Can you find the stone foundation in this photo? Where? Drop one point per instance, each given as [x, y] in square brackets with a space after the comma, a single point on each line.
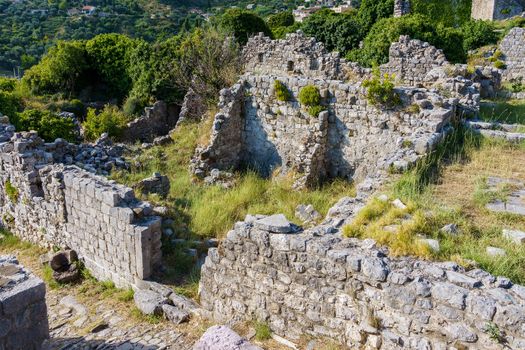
[354, 292]
[23, 311]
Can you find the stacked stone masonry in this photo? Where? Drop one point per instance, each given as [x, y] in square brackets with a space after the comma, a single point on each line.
[352, 291]
[513, 49]
[496, 9]
[23, 311]
[351, 139]
[52, 204]
[401, 8]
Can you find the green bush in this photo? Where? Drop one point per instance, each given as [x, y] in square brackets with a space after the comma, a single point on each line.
[262, 331]
[243, 24]
[281, 19]
[500, 64]
[477, 33]
[7, 84]
[111, 120]
[59, 70]
[281, 91]
[381, 90]
[310, 96]
[48, 125]
[10, 104]
[11, 191]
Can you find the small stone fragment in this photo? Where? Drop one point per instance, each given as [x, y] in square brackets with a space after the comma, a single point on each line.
[496, 252]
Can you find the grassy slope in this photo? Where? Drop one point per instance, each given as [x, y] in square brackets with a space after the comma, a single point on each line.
[445, 189]
[512, 111]
[211, 211]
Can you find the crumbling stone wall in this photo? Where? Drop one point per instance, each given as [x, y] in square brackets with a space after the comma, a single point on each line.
[351, 139]
[496, 9]
[157, 120]
[23, 311]
[411, 60]
[51, 204]
[513, 49]
[401, 8]
[354, 292]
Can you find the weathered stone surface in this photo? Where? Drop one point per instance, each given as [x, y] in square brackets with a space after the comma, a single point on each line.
[307, 213]
[159, 184]
[496, 252]
[328, 286]
[23, 312]
[275, 223]
[336, 143]
[157, 120]
[515, 236]
[149, 302]
[513, 50]
[114, 234]
[223, 338]
[174, 314]
[496, 9]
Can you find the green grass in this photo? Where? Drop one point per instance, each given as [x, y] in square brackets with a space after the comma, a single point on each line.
[262, 331]
[211, 211]
[478, 227]
[511, 112]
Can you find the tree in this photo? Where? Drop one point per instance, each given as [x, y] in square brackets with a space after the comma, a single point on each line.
[371, 11]
[340, 32]
[376, 44]
[281, 19]
[109, 56]
[243, 24]
[48, 125]
[59, 69]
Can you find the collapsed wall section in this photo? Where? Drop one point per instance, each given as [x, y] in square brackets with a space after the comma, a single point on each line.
[352, 291]
[51, 204]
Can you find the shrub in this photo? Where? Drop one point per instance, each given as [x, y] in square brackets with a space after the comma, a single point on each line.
[500, 65]
[11, 191]
[381, 90]
[243, 24]
[310, 96]
[111, 120]
[281, 19]
[262, 331]
[10, 104]
[7, 84]
[517, 85]
[281, 91]
[48, 125]
[315, 110]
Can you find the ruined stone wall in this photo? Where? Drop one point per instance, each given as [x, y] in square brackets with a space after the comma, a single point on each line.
[295, 55]
[411, 60]
[354, 292]
[401, 8]
[23, 311]
[157, 120]
[51, 204]
[496, 9]
[513, 49]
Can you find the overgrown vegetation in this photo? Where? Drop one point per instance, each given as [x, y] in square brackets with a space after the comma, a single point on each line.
[111, 120]
[511, 111]
[459, 197]
[281, 91]
[192, 205]
[49, 125]
[262, 331]
[310, 97]
[11, 192]
[381, 90]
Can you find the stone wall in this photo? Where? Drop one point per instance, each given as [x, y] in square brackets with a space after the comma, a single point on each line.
[496, 9]
[351, 139]
[513, 49]
[354, 292]
[52, 204]
[401, 8]
[23, 311]
[157, 120]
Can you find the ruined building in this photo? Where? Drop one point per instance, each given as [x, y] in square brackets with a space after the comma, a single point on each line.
[351, 138]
